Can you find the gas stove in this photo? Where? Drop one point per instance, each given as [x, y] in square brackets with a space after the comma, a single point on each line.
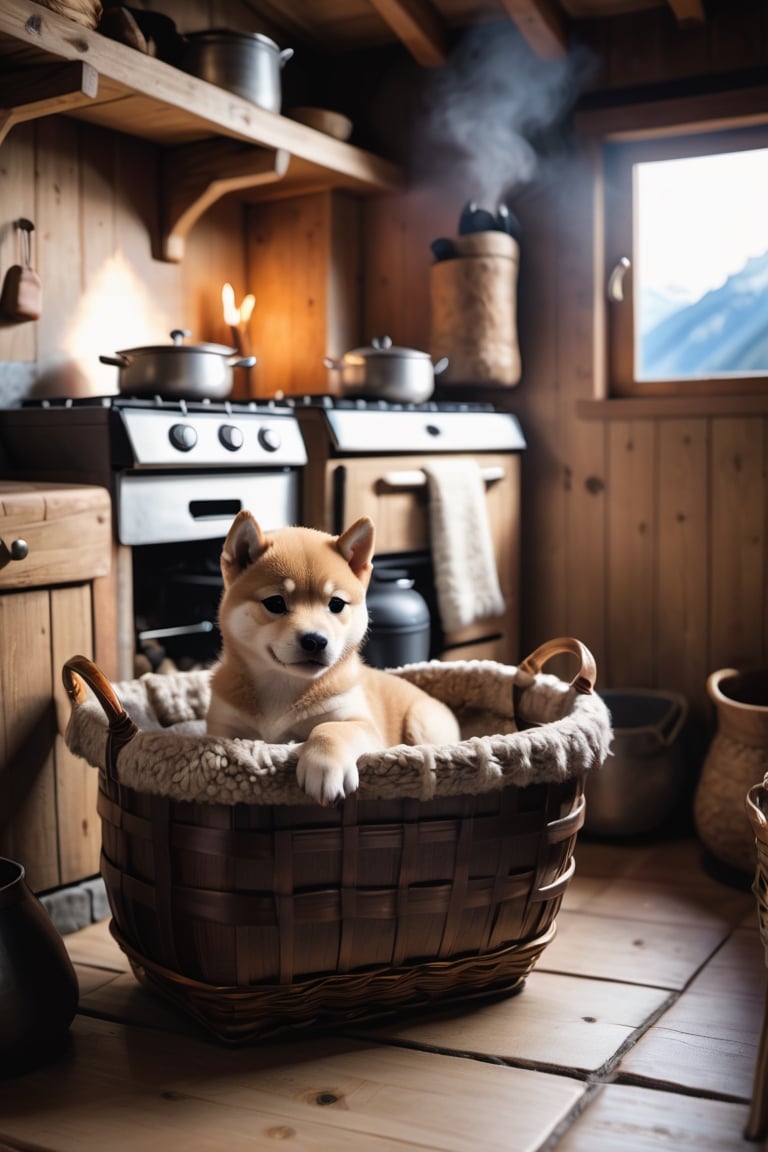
[117, 432]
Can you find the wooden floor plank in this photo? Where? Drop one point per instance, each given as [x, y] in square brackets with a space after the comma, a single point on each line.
[707, 1040]
[556, 1022]
[643, 1120]
[127, 1088]
[636, 952]
[95, 946]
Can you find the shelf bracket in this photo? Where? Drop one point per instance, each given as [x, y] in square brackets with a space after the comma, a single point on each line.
[41, 91]
[195, 176]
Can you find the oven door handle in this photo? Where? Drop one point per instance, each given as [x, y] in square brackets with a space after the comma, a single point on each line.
[416, 478]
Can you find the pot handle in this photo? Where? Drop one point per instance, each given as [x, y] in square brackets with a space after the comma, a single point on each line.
[285, 56]
[117, 361]
[329, 362]
[242, 362]
[441, 365]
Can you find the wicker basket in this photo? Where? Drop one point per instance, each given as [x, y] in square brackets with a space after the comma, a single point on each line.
[259, 911]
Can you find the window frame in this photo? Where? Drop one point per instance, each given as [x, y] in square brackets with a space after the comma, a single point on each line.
[618, 160]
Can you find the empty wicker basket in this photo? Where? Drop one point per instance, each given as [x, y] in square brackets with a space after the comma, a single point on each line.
[259, 911]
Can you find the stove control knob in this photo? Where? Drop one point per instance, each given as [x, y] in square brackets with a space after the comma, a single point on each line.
[231, 437]
[434, 430]
[183, 437]
[269, 439]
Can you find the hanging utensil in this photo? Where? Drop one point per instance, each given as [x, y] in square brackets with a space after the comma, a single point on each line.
[22, 295]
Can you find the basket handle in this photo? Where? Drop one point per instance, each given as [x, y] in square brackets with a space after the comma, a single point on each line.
[77, 672]
[584, 680]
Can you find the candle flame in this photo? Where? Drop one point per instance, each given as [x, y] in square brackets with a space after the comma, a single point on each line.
[234, 316]
[231, 311]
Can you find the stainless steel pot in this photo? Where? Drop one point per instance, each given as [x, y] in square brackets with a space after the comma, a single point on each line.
[245, 63]
[384, 371]
[178, 370]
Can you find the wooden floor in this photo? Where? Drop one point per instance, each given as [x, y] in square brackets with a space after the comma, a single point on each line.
[637, 1031]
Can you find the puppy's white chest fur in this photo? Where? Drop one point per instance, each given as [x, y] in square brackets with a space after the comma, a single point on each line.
[281, 717]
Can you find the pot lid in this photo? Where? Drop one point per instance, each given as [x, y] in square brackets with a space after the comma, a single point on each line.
[177, 337]
[228, 35]
[163, 349]
[383, 346]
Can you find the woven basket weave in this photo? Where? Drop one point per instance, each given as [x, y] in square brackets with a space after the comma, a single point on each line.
[439, 880]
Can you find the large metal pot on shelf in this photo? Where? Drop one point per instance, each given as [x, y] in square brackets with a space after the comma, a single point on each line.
[249, 64]
[178, 370]
[386, 371]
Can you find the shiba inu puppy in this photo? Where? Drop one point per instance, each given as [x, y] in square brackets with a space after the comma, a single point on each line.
[292, 618]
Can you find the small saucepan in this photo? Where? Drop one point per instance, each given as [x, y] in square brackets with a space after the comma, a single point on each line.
[178, 370]
[384, 371]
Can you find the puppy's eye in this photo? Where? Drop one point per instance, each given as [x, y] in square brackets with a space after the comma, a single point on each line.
[276, 605]
[336, 604]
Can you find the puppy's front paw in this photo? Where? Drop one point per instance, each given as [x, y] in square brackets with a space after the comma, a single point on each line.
[324, 777]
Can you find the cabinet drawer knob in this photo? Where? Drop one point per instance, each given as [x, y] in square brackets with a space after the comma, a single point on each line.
[19, 549]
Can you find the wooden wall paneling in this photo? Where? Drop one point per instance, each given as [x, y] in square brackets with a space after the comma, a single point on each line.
[214, 255]
[633, 50]
[736, 35]
[539, 401]
[397, 260]
[632, 538]
[738, 542]
[76, 782]
[58, 239]
[27, 781]
[289, 254]
[583, 442]
[682, 51]
[344, 327]
[269, 268]
[18, 341]
[684, 544]
[156, 302]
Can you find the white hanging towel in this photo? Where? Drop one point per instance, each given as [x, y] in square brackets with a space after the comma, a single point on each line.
[466, 578]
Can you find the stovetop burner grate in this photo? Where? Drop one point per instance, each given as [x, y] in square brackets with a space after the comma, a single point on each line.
[162, 404]
[372, 404]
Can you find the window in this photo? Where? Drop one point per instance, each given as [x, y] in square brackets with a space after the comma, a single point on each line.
[687, 264]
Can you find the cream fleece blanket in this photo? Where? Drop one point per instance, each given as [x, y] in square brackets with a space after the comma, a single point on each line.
[171, 754]
[466, 578]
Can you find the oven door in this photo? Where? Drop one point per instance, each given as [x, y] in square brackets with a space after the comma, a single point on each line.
[162, 509]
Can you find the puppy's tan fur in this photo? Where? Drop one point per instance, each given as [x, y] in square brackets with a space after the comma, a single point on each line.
[292, 618]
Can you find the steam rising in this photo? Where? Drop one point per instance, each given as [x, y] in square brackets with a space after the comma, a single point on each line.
[490, 113]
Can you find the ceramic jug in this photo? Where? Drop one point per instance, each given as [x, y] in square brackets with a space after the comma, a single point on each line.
[38, 985]
[736, 760]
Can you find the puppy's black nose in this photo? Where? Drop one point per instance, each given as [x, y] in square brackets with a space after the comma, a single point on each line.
[314, 642]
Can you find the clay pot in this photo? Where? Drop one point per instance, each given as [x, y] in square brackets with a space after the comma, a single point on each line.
[38, 985]
[737, 760]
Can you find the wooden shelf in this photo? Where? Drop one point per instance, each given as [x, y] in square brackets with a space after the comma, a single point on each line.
[51, 65]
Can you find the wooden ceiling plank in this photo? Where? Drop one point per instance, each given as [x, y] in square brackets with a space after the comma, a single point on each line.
[418, 26]
[688, 12]
[541, 23]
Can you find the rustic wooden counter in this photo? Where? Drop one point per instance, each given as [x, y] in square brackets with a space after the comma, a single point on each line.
[55, 543]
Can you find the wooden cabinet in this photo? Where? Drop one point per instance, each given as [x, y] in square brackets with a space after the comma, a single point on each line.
[393, 491]
[55, 544]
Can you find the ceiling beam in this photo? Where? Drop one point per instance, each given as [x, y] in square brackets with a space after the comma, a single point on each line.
[542, 24]
[418, 26]
[688, 11]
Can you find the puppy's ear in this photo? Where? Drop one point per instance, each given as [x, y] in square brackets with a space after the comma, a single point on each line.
[356, 546]
[244, 544]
